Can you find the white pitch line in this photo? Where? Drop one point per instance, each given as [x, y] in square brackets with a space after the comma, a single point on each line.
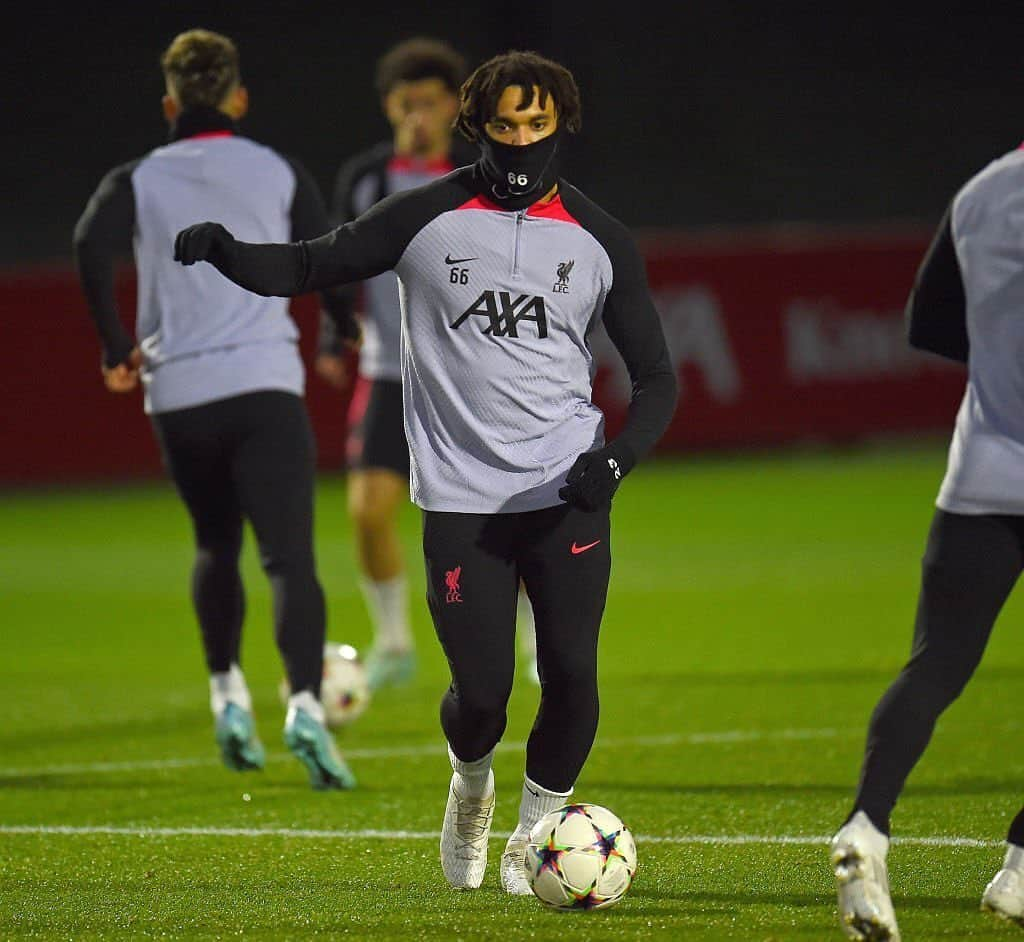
[800, 840]
[723, 737]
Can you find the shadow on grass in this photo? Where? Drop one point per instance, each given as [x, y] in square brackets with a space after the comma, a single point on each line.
[134, 727]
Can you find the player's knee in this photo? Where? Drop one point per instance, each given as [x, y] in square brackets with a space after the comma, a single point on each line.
[573, 669]
[472, 722]
[371, 512]
[483, 703]
[289, 562]
[216, 553]
[928, 685]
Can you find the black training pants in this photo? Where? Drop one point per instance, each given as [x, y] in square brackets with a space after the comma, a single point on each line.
[250, 457]
[474, 563]
[970, 566]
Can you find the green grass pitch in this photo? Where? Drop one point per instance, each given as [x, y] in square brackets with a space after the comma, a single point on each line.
[758, 608]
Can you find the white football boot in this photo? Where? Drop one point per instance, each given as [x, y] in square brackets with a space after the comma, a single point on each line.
[1004, 895]
[536, 801]
[862, 881]
[467, 824]
[513, 866]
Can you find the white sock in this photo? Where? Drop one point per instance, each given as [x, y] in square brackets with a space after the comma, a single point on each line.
[472, 779]
[229, 687]
[1014, 857]
[526, 628]
[305, 701]
[388, 602]
[536, 802]
[877, 843]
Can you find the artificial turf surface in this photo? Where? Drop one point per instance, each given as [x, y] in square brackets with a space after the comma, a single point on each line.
[759, 606]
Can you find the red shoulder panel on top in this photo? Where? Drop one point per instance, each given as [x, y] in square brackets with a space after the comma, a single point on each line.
[554, 209]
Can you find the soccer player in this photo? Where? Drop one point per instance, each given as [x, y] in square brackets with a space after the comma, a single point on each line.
[504, 270]
[418, 83]
[965, 305]
[223, 381]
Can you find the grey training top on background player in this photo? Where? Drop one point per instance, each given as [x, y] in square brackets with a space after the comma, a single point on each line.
[202, 338]
[497, 308]
[362, 182]
[967, 305]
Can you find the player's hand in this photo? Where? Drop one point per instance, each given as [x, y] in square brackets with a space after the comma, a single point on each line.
[201, 243]
[593, 479]
[333, 370]
[125, 376]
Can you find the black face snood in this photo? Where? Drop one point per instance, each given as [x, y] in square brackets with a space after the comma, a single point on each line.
[519, 176]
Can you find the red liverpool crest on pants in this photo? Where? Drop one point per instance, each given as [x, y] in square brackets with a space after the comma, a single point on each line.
[451, 579]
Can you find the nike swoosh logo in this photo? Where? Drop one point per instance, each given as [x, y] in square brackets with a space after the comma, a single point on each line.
[448, 260]
[576, 550]
[531, 791]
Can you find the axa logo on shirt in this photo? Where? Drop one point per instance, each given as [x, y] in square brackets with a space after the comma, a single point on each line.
[504, 313]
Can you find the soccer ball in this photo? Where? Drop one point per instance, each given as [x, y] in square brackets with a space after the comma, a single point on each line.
[344, 690]
[580, 856]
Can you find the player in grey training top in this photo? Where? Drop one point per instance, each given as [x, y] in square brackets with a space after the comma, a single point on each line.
[966, 305]
[504, 270]
[417, 81]
[223, 381]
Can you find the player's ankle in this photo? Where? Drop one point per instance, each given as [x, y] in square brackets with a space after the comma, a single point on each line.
[472, 779]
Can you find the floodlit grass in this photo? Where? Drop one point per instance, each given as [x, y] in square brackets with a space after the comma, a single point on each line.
[759, 606]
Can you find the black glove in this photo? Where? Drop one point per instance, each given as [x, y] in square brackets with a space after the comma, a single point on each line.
[595, 477]
[203, 242]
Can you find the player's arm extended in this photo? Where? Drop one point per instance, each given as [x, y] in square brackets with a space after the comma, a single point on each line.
[936, 313]
[102, 235]
[634, 326]
[358, 250]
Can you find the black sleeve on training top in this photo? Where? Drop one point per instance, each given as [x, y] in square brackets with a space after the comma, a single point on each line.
[634, 326]
[360, 249]
[102, 234]
[936, 314]
[309, 220]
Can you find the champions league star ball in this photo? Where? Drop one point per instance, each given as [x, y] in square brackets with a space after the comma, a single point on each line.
[345, 689]
[580, 857]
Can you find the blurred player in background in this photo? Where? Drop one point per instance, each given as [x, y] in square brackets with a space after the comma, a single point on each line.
[223, 381]
[504, 271]
[418, 83]
[966, 305]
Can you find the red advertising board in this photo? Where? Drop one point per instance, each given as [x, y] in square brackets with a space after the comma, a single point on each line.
[790, 335]
[776, 336]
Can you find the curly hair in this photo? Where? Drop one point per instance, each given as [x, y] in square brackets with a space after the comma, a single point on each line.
[478, 97]
[201, 68]
[420, 58]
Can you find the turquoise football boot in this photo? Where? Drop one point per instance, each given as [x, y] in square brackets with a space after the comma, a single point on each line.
[389, 668]
[314, 747]
[240, 747]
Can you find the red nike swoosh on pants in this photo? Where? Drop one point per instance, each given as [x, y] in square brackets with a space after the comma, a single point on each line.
[576, 550]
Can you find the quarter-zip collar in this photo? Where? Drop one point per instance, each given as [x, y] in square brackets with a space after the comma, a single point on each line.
[195, 121]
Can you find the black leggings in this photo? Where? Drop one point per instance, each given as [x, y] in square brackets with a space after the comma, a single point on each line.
[970, 566]
[250, 457]
[474, 563]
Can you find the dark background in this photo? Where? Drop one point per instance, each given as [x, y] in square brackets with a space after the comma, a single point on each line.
[695, 115]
